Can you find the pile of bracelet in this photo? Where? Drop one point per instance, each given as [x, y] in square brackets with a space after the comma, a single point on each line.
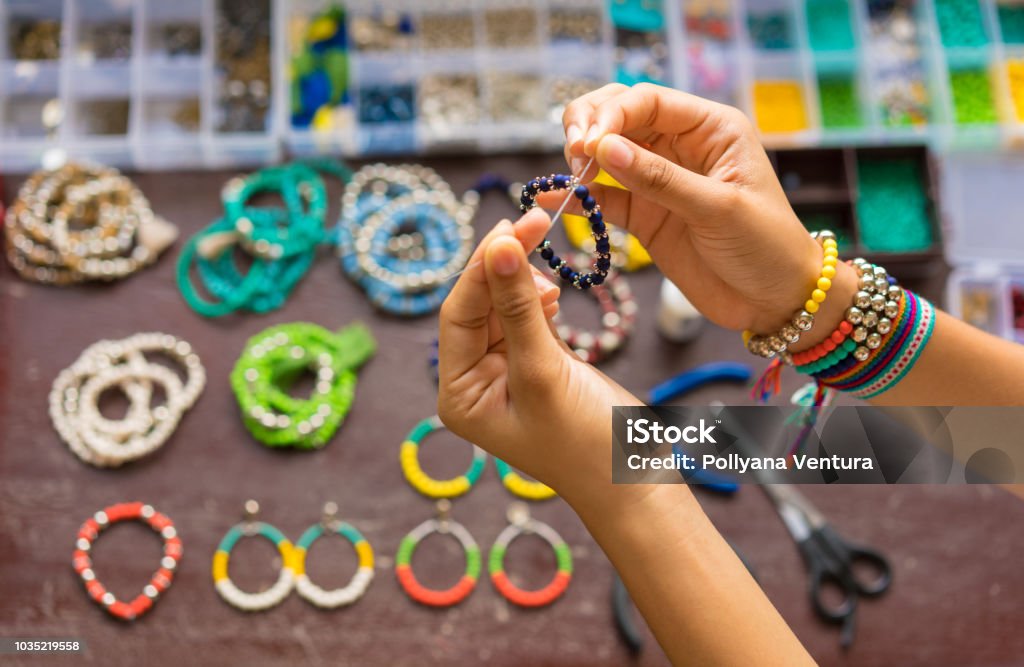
[879, 340]
[158, 583]
[402, 235]
[82, 222]
[803, 320]
[274, 358]
[122, 364]
[591, 209]
[618, 315]
[281, 242]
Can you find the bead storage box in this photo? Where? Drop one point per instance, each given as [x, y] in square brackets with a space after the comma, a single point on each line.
[984, 237]
[137, 83]
[223, 83]
[879, 201]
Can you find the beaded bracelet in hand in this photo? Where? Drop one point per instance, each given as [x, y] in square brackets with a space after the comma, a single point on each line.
[158, 584]
[618, 315]
[803, 320]
[591, 209]
[281, 241]
[273, 358]
[107, 364]
[82, 222]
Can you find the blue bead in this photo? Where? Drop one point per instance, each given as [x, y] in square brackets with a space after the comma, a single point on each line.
[588, 203]
[598, 228]
[892, 280]
[561, 181]
[566, 272]
[596, 217]
[547, 253]
[545, 184]
[585, 282]
[554, 262]
[526, 200]
[603, 263]
[581, 192]
[596, 279]
[533, 185]
[603, 246]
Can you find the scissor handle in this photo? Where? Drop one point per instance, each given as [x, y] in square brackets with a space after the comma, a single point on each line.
[848, 556]
[822, 576]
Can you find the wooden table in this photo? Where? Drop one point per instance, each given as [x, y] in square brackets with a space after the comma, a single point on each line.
[957, 598]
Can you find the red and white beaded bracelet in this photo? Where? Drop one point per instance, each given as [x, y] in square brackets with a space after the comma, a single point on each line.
[158, 584]
[618, 315]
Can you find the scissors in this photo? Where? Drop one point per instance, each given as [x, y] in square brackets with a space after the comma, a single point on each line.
[832, 562]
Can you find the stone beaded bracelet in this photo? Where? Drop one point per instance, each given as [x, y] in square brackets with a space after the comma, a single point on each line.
[591, 209]
[270, 362]
[618, 316]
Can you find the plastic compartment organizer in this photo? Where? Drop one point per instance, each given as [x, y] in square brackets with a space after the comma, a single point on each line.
[156, 84]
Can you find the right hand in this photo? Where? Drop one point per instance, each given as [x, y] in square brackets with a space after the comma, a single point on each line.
[702, 198]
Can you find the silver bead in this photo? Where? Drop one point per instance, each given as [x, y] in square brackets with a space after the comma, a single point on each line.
[862, 300]
[881, 285]
[884, 325]
[859, 262]
[776, 344]
[790, 333]
[892, 309]
[879, 272]
[878, 303]
[871, 319]
[866, 282]
[859, 334]
[873, 341]
[854, 315]
[894, 293]
[803, 321]
[861, 353]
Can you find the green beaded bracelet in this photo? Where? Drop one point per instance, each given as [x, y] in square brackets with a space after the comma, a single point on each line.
[275, 357]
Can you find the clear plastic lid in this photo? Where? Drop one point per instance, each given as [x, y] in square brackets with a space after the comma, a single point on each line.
[982, 197]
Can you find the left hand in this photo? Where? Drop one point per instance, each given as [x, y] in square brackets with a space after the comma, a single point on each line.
[508, 384]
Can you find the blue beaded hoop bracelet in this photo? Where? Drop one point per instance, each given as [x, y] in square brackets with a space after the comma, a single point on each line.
[591, 209]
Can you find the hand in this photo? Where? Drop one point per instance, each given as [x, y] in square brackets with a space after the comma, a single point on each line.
[508, 384]
[702, 198]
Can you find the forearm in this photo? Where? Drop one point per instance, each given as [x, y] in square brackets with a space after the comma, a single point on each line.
[697, 597]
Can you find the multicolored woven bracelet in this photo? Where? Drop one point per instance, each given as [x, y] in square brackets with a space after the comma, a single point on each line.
[520, 523]
[160, 581]
[444, 525]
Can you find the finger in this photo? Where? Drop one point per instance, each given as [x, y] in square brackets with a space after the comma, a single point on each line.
[691, 196]
[526, 332]
[548, 292]
[463, 322]
[578, 116]
[650, 108]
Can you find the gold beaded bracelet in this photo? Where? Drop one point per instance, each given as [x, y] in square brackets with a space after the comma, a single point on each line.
[778, 343]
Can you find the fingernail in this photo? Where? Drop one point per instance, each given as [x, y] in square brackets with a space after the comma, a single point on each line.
[618, 153]
[573, 134]
[577, 164]
[592, 134]
[543, 285]
[504, 256]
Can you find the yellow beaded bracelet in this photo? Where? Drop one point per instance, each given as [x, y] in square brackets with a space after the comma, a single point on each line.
[803, 320]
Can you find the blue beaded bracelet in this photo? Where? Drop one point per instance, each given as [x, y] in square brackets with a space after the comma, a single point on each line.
[591, 209]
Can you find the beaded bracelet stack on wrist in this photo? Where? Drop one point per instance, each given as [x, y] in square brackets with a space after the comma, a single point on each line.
[82, 222]
[803, 320]
[282, 242]
[274, 358]
[880, 338]
[402, 235]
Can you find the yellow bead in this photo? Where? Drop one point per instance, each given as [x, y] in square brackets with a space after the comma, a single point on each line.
[831, 252]
[824, 284]
[817, 296]
[747, 335]
[830, 260]
[828, 271]
[811, 307]
[829, 243]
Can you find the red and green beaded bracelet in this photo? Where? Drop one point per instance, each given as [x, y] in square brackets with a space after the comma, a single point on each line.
[520, 523]
[158, 583]
[444, 525]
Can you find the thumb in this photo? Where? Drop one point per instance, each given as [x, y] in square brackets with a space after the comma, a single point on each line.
[690, 195]
[517, 305]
